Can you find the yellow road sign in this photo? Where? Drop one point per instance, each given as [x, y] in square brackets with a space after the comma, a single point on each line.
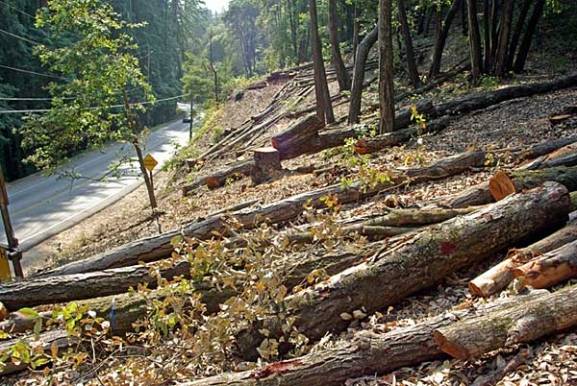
[150, 162]
[5, 274]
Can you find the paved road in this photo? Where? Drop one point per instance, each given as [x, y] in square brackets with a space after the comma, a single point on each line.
[42, 206]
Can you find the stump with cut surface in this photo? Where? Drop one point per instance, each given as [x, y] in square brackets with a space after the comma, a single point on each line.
[499, 276]
[550, 268]
[501, 186]
[267, 163]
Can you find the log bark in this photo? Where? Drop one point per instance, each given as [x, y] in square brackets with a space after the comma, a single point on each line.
[442, 38]
[565, 156]
[550, 268]
[218, 179]
[523, 179]
[364, 353]
[544, 148]
[420, 262]
[359, 74]
[499, 276]
[299, 138]
[158, 247]
[522, 322]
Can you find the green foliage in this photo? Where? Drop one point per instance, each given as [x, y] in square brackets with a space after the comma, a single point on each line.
[93, 105]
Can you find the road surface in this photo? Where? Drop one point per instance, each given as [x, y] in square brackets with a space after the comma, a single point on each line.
[42, 206]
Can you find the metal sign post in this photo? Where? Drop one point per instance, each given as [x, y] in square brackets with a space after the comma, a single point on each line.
[13, 252]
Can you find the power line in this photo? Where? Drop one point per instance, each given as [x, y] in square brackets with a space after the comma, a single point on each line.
[31, 72]
[17, 10]
[20, 37]
[93, 108]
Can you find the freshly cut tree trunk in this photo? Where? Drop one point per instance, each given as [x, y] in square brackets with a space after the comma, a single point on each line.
[523, 179]
[267, 164]
[64, 288]
[299, 138]
[551, 268]
[420, 262]
[544, 148]
[462, 106]
[158, 247]
[220, 178]
[499, 277]
[565, 156]
[365, 353]
[524, 321]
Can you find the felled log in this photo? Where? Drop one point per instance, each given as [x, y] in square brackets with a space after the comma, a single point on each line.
[65, 288]
[218, 179]
[565, 156]
[544, 148]
[523, 321]
[364, 353]
[160, 246]
[499, 276]
[523, 179]
[550, 268]
[299, 138]
[395, 138]
[464, 105]
[420, 262]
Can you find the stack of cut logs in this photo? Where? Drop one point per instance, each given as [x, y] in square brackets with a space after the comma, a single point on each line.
[409, 250]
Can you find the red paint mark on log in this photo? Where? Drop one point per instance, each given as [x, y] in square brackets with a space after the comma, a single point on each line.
[447, 248]
[276, 368]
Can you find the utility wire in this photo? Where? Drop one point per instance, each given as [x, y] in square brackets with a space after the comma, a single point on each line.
[31, 72]
[19, 37]
[17, 10]
[93, 108]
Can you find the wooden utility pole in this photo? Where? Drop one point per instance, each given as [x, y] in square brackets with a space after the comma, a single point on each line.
[14, 252]
[191, 118]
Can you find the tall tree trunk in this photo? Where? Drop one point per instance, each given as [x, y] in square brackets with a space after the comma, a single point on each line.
[504, 34]
[341, 71]
[494, 33]
[528, 37]
[474, 41]
[324, 105]
[359, 74]
[356, 27]
[386, 72]
[487, 34]
[408, 40]
[442, 38]
[464, 25]
[517, 33]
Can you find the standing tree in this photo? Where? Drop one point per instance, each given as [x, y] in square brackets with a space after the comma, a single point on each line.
[441, 39]
[408, 41]
[340, 69]
[386, 73]
[323, 97]
[92, 106]
[474, 41]
[241, 17]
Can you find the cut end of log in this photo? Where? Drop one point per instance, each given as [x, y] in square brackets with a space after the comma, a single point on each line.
[479, 287]
[361, 147]
[453, 349]
[501, 186]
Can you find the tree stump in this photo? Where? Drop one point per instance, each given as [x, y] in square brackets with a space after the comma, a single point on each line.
[267, 164]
